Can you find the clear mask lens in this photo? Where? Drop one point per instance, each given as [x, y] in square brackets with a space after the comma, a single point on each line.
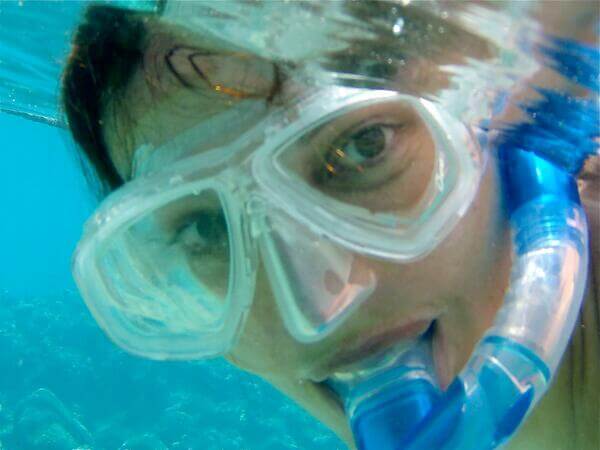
[168, 276]
[317, 283]
[387, 177]
[380, 159]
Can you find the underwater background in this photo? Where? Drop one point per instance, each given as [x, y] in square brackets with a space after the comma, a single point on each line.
[63, 384]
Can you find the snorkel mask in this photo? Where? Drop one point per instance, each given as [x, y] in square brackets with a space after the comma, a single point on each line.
[168, 262]
[167, 265]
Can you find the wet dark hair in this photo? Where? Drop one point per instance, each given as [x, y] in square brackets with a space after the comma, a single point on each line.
[107, 49]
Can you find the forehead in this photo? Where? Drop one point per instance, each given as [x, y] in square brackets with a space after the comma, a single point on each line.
[405, 48]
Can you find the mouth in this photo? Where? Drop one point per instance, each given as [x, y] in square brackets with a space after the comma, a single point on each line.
[322, 382]
[358, 357]
[355, 356]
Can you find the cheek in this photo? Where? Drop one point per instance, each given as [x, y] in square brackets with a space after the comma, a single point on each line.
[265, 347]
[467, 272]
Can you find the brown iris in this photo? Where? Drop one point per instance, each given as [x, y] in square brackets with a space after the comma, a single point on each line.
[353, 153]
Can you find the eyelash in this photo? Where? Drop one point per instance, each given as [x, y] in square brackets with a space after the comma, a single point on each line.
[278, 83]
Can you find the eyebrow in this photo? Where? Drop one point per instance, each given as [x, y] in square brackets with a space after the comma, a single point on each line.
[176, 74]
[172, 69]
[277, 83]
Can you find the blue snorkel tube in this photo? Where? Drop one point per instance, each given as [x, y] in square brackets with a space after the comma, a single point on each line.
[512, 366]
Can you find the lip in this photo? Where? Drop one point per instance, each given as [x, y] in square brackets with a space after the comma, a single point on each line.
[350, 360]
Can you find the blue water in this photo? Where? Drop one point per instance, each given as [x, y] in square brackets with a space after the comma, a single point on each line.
[34, 40]
[63, 385]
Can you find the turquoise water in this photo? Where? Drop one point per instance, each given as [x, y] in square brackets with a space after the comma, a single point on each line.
[34, 38]
[63, 385]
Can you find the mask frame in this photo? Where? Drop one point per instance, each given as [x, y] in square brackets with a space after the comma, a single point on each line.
[240, 173]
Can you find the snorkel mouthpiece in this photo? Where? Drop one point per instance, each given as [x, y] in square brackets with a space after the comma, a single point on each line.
[513, 365]
[395, 410]
[391, 396]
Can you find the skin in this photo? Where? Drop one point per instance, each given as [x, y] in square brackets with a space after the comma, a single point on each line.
[470, 267]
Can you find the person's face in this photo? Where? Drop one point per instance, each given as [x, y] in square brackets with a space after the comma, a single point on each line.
[457, 288]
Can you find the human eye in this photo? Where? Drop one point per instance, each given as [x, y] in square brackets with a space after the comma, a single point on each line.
[358, 157]
[204, 233]
[380, 157]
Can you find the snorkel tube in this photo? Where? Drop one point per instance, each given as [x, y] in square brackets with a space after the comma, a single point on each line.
[512, 366]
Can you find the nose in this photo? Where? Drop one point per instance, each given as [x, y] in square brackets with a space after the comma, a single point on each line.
[316, 282]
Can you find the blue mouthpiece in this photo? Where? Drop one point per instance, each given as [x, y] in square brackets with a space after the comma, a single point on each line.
[390, 396]
[392, 412]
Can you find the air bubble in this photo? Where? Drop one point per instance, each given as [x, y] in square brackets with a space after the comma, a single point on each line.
[398, 26]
